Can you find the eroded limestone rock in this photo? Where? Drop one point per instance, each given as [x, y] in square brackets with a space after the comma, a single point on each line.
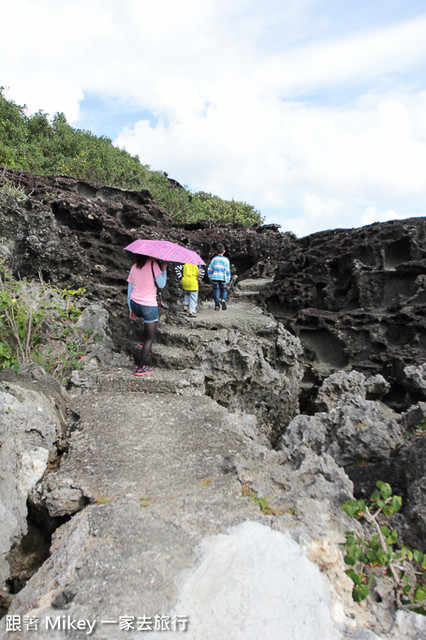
[370, 442]
[32, 429]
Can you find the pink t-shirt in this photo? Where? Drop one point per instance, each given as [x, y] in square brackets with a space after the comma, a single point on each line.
[144, 291]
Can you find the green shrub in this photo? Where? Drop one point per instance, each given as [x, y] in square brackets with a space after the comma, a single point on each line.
[380, 552]
[37, 324]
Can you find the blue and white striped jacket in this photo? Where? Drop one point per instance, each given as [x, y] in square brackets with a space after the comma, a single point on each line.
[219, 269]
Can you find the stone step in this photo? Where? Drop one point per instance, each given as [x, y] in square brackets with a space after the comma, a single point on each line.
[246, 294]
[171, 357]
[181, 331]
[253, 284]
[180, 334]
[161, 380]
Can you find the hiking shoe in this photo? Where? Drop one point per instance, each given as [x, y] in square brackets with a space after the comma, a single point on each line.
[223, 303]
[192, 315]
[217, 308]
[140, 346]
[143, 371]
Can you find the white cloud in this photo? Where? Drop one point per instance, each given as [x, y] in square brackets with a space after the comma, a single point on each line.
[314, 120]
[354, 59]
[372, 214]
[46, 91]
[322, 162]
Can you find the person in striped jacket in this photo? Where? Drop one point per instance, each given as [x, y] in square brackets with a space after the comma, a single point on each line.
[219, 273]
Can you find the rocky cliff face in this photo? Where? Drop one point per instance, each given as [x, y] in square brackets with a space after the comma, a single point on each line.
[356, 298]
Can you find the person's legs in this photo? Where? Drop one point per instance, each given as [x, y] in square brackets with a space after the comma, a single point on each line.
[216, 294]
[150, 317]
[186, 300]
[193, 299]
[148, 340]
[223, 295]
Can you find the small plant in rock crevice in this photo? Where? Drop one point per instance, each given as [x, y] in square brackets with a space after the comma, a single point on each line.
[418, 430]
[38, 324]
[262, 503]
[145, 501]
[206, 482]
[7, 186]
[379, 554]
[103, 500]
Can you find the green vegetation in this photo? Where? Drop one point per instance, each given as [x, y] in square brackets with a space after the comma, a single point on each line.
[103, 500]
[417, 430]
[381, 556]
[35, 144]
[248, 492]
[38, 324]
[206, 482]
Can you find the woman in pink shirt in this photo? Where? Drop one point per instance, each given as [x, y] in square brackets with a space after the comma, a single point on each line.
[144, 278]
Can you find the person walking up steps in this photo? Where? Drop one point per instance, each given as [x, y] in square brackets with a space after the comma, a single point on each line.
[219, 272]
[144, 278]
[190, 274]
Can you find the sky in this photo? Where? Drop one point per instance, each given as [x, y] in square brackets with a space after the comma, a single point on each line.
[312, 111]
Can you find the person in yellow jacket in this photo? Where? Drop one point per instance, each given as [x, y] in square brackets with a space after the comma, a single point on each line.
[190, 274]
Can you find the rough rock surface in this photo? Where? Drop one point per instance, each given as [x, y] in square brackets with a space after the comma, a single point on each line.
[356, 298]
[369, 441]
[32, 429]
[354, 432]
[411, 462]
[249, 361]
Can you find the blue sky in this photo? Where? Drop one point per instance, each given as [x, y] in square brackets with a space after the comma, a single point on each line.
[313, 111]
